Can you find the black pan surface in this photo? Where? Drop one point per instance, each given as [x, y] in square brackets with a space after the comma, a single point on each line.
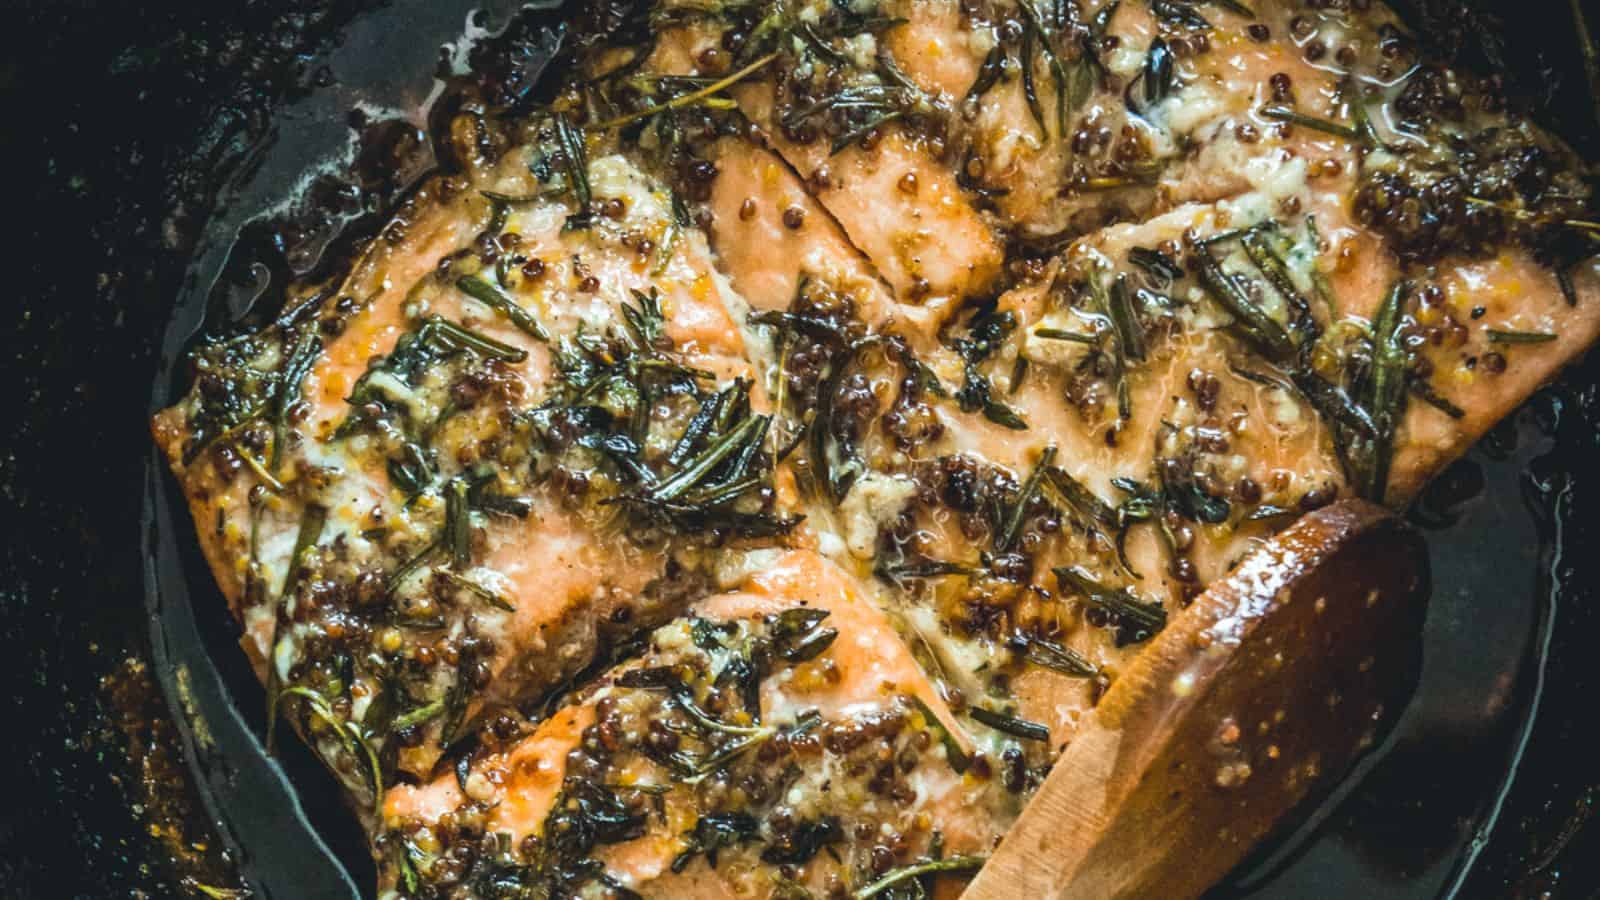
[172, 167]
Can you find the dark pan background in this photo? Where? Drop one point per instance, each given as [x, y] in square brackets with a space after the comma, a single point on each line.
[139, 139]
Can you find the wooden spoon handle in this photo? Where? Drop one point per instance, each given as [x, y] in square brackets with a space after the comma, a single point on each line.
[1254, 698]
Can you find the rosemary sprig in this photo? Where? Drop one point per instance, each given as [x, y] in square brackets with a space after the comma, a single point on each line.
[692, 97]
[896, 877]
[1057, 658]
[1156, 80]
[1007, 536]
[575, 158]
[457, 537]
[1497, 336]
[921, 568]
[287, 391]
[1077, 496]
[1285, 114]
[1158, 264]
[497, 299]
[1269, 337]
[1177, 13]
[1057, 334]
[987, 330]
[1130, 334]
[988, 73]
[1038, 34]
[1386, 398]
[420, 716]
[1008, 724]
[1265, 257]
[1146, 616]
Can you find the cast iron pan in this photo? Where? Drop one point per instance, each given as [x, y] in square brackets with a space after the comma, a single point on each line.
[175, 169]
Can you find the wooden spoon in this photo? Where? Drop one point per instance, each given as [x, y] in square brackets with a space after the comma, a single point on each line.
[1256, 697]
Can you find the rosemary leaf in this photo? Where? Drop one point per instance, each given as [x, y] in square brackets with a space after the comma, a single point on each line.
[1147, 617]
[895, 877]
[1387, 392]
[1057, 658]
[1017, 728]
[1285, 114]
[287, 391]
[1007, 536]
[693, 97]
[1496, 336]
[493, 297]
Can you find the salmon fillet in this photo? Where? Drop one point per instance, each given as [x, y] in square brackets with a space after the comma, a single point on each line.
[841, 734]
[742, 474]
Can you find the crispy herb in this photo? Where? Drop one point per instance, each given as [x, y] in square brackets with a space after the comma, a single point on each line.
[1018, 511]
[1333, 402]
[1057, 334]
[1258, 247]
[986, 332]
[585, 815]
[1386, 396]
[805, 840]
[1496, 336]
[457, 523]
[1182, 493]
[287, 390]
[921, 568]
[493, 297]
[575, 160]
[1157, 263]
[434, 340]
[713, 832]
[1017, 728]
[413, 471]
[1038, 33]
[1144, 618]
[1155, 82]
[1180, 14]
[1568, 289]
[419, 716]
[456, 701]
[988, 73]
[1076, 496]
[411, 566]
[796, 637]
[692, 97]
[1130, 334]
[1264, 332]
[1285, 114]
[894, 878]
[1057, 658]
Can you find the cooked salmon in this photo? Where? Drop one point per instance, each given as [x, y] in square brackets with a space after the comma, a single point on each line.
[740, 474]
